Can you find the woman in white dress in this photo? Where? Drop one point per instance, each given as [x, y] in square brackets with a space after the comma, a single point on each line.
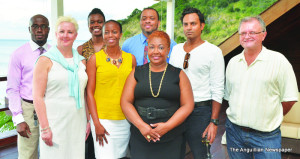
[59, 83]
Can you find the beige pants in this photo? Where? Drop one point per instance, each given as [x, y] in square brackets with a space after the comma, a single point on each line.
[28, 147]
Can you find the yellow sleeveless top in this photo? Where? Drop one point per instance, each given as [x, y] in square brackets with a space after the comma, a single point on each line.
[110, 81]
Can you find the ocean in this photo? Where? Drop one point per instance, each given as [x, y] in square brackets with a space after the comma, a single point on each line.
[7, 46]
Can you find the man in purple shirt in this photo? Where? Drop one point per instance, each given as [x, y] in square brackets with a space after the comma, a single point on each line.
[19, 86]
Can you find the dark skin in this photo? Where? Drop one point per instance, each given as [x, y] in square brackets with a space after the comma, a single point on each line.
[149, 22]
[39, 34]
[112, 32]
[39, 30]
[158, 52]
[96, 22]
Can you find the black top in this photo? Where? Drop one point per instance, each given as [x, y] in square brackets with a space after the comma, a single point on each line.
[169, 97]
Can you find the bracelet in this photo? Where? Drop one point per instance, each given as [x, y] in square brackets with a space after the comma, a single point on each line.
[44, 130]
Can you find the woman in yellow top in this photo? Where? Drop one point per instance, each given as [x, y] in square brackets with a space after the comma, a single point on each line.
[107, 72]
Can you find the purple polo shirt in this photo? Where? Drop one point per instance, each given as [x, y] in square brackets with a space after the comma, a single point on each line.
[19, 77]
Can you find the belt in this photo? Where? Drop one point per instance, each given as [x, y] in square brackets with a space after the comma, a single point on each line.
[28, 101]
[247, 129]
[203, 103]
[153, 113]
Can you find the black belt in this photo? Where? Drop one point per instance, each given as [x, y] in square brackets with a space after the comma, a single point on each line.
[153, 113]
[203, 103]
[247, 129]
[28, 101]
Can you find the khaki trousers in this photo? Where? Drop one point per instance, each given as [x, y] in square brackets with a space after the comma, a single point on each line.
[28, 147]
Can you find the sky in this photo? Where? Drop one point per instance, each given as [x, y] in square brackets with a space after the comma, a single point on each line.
[15, 14]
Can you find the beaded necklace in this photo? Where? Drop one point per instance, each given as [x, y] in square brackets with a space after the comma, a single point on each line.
[117, 61]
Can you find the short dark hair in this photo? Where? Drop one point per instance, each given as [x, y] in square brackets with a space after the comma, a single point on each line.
[192, 10]
[114, 21]
[149, 8]
[96, 11]
[36, 16]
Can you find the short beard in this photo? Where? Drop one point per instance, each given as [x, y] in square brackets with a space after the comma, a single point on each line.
[148, 32]
[41, 42]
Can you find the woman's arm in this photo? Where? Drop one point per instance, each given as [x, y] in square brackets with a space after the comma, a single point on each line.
[88, 126]
[79, 49]
[133, 61]
[85, 99]
[186, 107]
[40, 78]
[91, 72]
[129, 110]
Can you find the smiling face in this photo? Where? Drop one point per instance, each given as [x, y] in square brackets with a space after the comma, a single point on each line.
[66, 34]
[192, 27]
[111, 34]
[96, 22]
[158, 50]
[39, 29]
[250, 42]
[149, 21]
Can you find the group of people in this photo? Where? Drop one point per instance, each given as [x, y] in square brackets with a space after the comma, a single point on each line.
[146, 99]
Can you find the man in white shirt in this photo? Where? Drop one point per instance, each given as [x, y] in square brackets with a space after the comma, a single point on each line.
[203, 63]
[261, 88]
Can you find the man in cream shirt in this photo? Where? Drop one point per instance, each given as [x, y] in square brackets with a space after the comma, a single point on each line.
[260, 88]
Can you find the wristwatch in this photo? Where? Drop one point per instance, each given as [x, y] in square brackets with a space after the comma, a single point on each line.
[215, 121]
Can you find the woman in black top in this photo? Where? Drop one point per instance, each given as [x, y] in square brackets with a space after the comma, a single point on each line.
[156, 99]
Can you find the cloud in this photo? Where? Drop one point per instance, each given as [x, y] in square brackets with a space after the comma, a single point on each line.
[15, 14]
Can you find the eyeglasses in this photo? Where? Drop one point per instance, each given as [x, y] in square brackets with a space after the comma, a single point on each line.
[36, 27]
[186, 60]
[251, 33]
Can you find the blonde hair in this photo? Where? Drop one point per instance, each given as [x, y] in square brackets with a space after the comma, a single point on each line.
[66, 19]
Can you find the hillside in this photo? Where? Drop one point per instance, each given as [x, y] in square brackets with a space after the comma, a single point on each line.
[221, 17]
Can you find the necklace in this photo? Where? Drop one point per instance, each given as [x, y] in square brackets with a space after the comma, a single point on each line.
[162, 78]
[117, 61]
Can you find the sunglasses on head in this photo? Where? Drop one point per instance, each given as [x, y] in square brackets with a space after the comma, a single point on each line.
[186, 60]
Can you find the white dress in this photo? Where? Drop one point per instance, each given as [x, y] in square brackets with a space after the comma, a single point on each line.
[68, 124]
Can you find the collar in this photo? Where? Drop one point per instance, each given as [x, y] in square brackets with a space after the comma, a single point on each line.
[143, 38]
[35, 46]
[262, 56]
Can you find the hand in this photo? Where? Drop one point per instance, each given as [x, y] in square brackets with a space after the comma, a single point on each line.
[147, 131]
[47, 137]
[23, 129]
[211, 132]
[100, 134]
[160, 128]
[88, 130]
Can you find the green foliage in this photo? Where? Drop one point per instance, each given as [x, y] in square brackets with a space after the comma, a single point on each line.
[221, 17]
[7, 127]
[6, 123]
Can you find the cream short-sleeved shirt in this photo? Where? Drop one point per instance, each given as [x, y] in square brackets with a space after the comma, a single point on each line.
[255, 92]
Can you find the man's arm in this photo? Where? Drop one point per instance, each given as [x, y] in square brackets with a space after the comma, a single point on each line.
[13, 88]
[287, 86]
[173, 43]
[211, 129]
[125, 46]
[286, 106]
[217, 90]
[13, 93]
